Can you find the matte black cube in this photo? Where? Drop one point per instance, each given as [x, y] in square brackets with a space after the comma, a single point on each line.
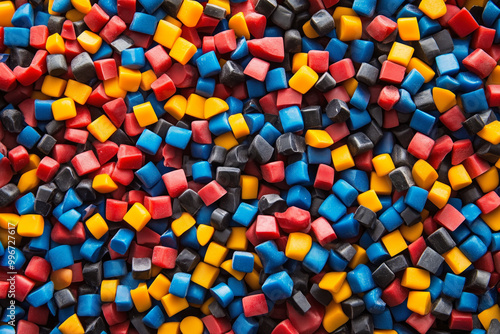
[300, 302]
[260, 150]
[271, 203]
[365, 216]
[57, 65]
[289, 143]
[231, 74]
[430, 260]
[401, 178]
[338, 111]
[187, 260]
[383, 276]
[322, 22]
[191, 201]
[228, 176]
[353, 307]
[441, 241]
[220, 219]
[12, 120]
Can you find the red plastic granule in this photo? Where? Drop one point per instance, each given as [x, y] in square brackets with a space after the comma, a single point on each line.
[462, 149]
[323, 231]
[115, 210]
[19, 158]
[294, 219]
[96, 18]
[257, 69]
[38, 315]
[163, 87]
[26, 327]
[488, 202]
[381, 27]
[47, 169]
[254, 305]
[342, 70]
[475, 166]
[164, 257]
[266, 228]
[392, 72]
[267, 48]
[38, 269]
[38, 36]
[479, 63]
[449, 217]
[113, 29]
[389, 96]
[463, 23]
[85, 162]
[159, 207]
[112, 315]
[395, 294]
[212, 192]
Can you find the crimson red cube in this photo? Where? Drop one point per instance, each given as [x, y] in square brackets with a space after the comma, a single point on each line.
[38, 36]
[164, 257]
[38, 315]
[395, 294]
[38, 269]
[392, 72]
[225, 41]
[147, 237]
[389, 96]
[449, 217]
[493, 95]
[201, 132]
[324, 177]
[96, 18]
[47, 169]
[266, 227]
[462, 149]
[19, 158]
[113, 29]
[24, 286]
[381, 27]
[323, 231]
[129, 157]
[105, 151]
[63, 153]
[106, 69]
[318, 60]
[254, 305]
[480, 63]
[163, 87]
[159, 207]
[342, 70]
[26, 327]
[211, 193]
[463, 23]
[257, 69]
[159, 59]
[489, 202]
[115, 210]
[420, 146]
[85, 162]
[116, 110]
[273, 172]
[475, 166]
[175, 182]
[454, 117]
[122, 176]
[76, 135]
